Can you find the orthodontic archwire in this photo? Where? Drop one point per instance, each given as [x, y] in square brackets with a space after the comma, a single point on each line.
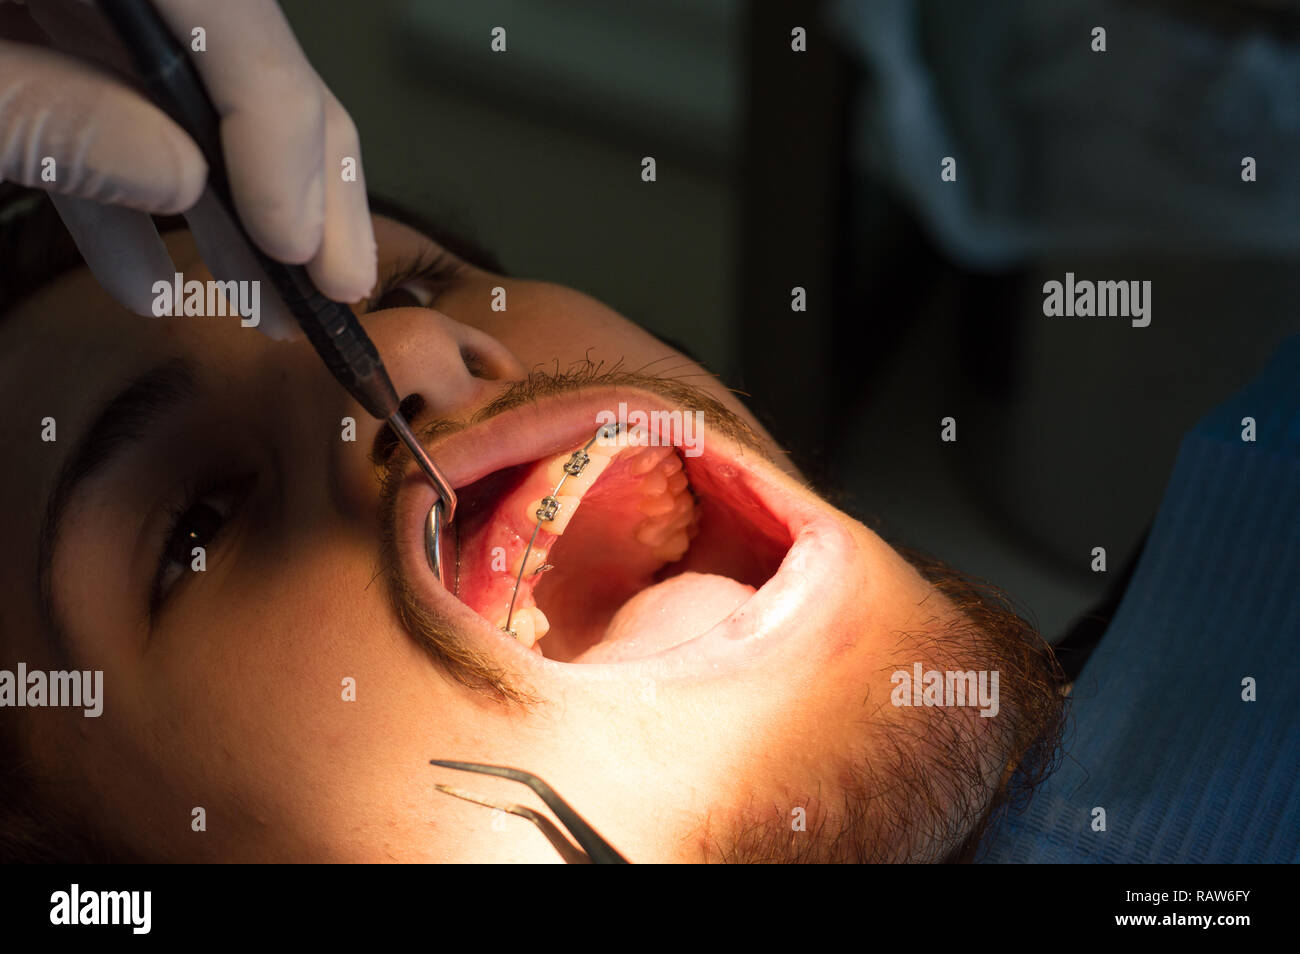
[574, 466]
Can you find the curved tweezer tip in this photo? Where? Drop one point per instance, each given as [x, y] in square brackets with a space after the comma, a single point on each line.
[597, 848]
[571, 853]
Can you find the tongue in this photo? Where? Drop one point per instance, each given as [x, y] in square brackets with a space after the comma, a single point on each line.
[666, 615]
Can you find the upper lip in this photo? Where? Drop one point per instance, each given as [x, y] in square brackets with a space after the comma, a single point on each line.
[822, 545]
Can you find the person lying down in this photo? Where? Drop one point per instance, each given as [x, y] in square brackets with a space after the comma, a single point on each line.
[703, 656]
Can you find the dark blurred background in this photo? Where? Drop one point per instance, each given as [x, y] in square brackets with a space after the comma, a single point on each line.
[821, 169]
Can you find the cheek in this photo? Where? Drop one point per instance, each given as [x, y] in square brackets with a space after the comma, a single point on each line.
[271, 703]
[278, 652]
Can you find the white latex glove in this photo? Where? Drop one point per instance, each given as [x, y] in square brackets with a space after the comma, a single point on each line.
[118, 157]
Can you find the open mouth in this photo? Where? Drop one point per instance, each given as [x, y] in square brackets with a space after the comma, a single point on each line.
[661, 559]
[643, 549]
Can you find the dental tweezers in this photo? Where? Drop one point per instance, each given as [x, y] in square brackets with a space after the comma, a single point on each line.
[330, 326]
[590, 847]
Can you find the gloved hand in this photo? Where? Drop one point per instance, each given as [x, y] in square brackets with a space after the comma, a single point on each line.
[117, 157]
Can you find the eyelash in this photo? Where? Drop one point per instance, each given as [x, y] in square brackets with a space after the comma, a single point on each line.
[434, 266]
[193, 495]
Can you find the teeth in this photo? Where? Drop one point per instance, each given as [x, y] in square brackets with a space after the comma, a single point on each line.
[670, 522]
[653, 531]
[536, 557]
[657, 504]
[683, 510]
[647, 460]
[670, 518]
[568, 505]
[529, 624]
[522, 626]
[576, 486]
[654, 483]
[541, 625]
[605, 446]
[672, 549]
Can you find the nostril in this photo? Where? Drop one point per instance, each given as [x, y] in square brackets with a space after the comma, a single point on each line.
[385, 440]
[411, 407]
[476, 365]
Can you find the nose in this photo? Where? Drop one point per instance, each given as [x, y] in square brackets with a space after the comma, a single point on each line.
[441, 369]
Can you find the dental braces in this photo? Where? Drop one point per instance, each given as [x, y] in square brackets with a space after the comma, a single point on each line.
[546, 513]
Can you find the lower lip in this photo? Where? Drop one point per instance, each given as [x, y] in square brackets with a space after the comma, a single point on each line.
[768, 620]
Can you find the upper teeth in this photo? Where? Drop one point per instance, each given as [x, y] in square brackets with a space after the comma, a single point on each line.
[574, 465]
[648, 459]
[575, 484]
[669, 508]
[664, 498]
[536, 559]
[606, 443]
[554, 512]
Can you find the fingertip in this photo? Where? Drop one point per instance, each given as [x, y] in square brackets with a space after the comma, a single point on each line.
[189, 179]
[346, 273]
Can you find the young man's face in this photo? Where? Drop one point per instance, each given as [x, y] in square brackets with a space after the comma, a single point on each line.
[296, 688]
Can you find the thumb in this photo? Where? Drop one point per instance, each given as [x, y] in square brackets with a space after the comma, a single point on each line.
[71, 129]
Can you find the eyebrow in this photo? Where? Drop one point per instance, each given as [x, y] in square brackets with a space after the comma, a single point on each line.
[124, 422]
